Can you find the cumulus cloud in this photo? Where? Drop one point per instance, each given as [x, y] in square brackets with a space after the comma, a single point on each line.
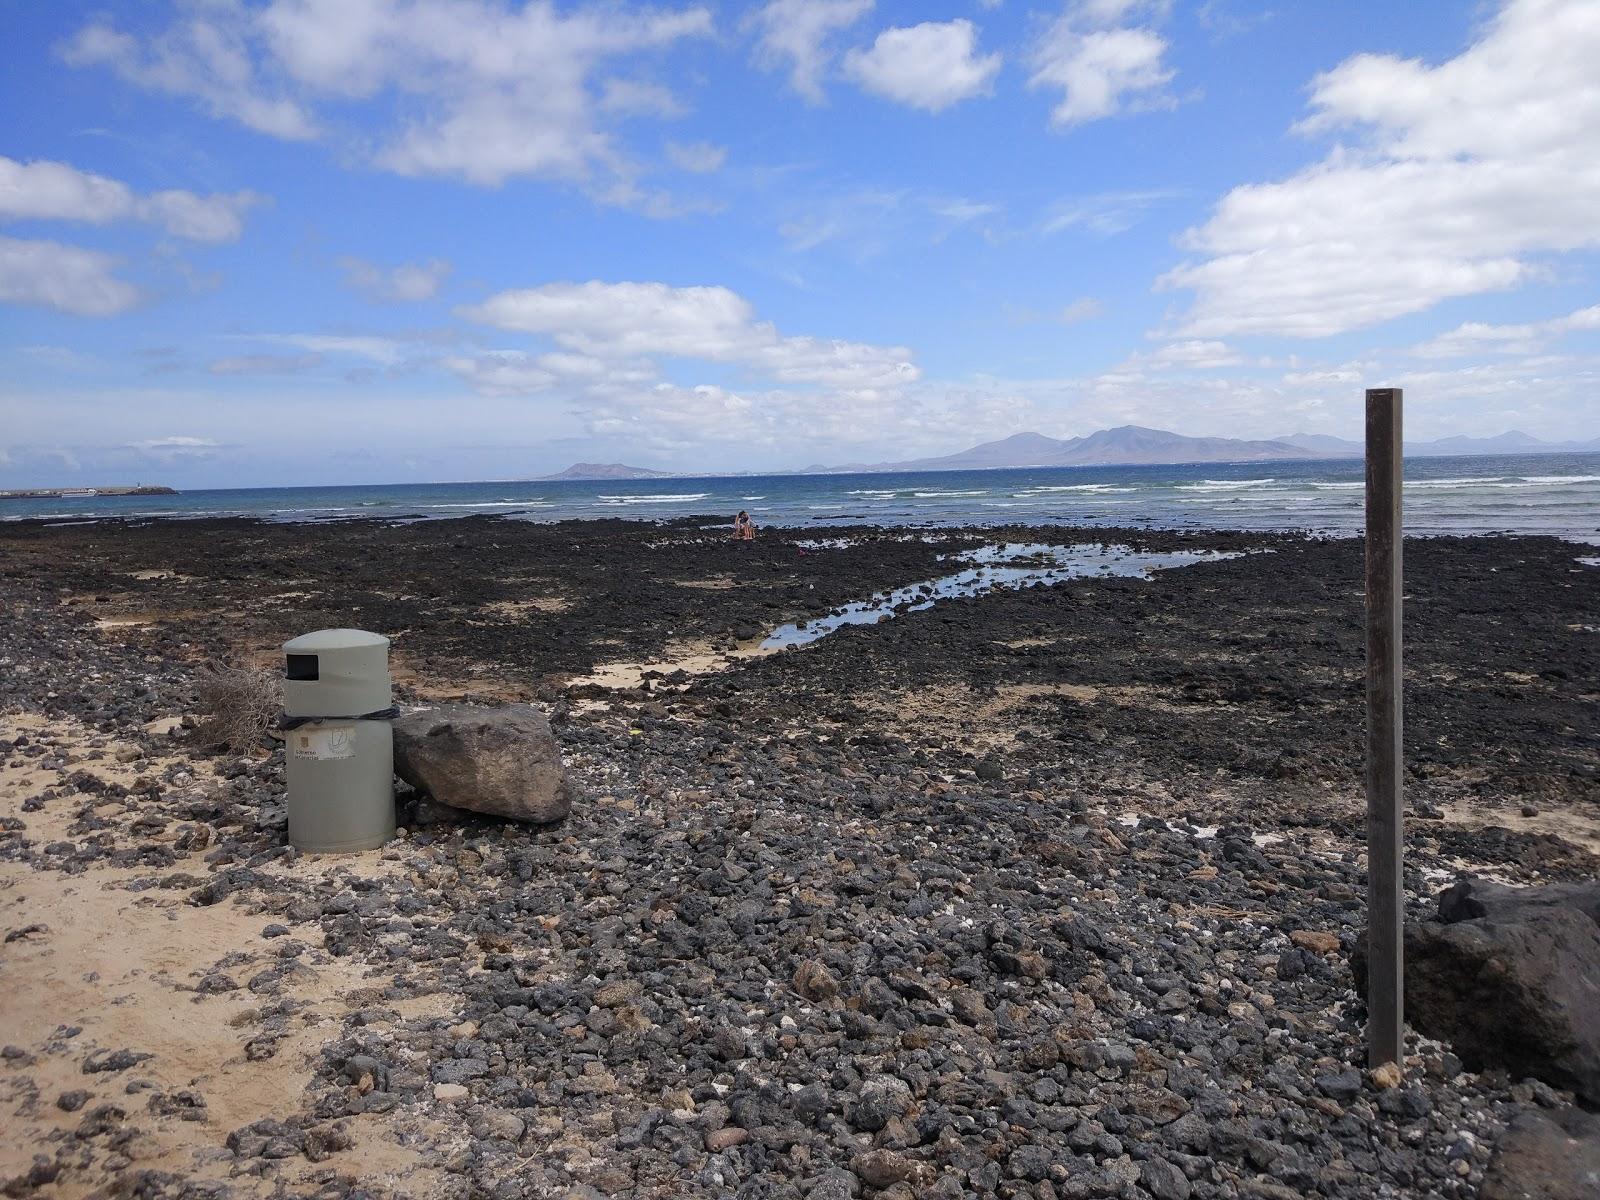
[68, 279]
[1476, 337]
[471, 89]
[1100, 61]
[929, 66]
[795, 35]
[1466, 175]
[408, 282]
[634, 322]
[56, 191]
[700, 158]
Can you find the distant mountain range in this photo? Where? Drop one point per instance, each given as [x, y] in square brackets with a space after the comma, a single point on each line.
[1133, 445]
[608, 471]
[1513, 441]
[1124, 446]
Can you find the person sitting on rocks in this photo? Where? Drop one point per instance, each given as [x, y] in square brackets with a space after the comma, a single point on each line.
[743, 527]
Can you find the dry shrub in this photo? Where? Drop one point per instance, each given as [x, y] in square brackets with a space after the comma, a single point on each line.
[238, 704]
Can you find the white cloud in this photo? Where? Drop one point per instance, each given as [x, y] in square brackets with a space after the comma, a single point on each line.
[1476, 337]
[1469, 173]
[930, 66]
[1101, 65]
[171, 449]
[408, 282]
[55, 191]
[199, 218]
[699, 157]
[787, 427]
[1198, 354]
[384, 351]
[206, 56]
[795, 34]
[1106, 214]
[517, 373]
[466, 88]
[1082, 309]
[634, 321]
[265, 364]
[640, 98]
[66, 278]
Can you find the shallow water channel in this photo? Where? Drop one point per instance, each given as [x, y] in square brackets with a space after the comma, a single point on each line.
[1009, 566]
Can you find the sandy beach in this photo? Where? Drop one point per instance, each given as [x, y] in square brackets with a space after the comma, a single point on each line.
[1037, 892]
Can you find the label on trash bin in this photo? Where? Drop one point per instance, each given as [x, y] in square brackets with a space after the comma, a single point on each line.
[323, 741]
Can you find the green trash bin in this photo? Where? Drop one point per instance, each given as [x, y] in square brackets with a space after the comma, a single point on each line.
[338, 745]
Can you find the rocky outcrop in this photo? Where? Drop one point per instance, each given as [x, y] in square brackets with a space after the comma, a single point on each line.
[1511, 978]
[502, 762]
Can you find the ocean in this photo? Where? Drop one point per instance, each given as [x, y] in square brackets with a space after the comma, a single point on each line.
[1546, 494]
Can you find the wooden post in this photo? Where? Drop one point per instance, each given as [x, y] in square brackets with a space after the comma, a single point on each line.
[1385, 820]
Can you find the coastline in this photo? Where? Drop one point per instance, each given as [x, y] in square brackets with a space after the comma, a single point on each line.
[1058, 848]
[1552, 494]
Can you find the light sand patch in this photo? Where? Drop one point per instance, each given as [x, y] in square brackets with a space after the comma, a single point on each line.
[125, 621]
[161, 573]
[1578, 825]
[123, 965]
[693, 658]
[716, 583]
[521, 608]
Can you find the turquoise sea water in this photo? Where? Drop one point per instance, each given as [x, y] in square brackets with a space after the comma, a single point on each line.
[1556, 494]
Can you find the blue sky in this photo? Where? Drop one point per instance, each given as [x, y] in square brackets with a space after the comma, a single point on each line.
[312, 241]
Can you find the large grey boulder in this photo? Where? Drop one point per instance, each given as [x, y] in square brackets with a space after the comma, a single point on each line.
[503, 762]
[1511, 978]
[1469, 899]
[1546, 1156]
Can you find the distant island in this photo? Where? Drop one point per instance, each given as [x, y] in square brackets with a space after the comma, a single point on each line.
[72, 493]
[608, 471]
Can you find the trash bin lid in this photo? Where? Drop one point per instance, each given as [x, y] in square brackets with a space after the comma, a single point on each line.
[333, 639]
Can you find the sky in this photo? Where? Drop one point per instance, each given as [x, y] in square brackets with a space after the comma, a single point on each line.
[273, 242]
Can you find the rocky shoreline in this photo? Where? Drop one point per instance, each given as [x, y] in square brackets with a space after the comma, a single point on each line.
[1039, 893]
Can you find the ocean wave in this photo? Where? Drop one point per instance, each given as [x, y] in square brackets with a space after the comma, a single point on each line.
[1439, 484]
[665, 498]
[1075, 487]
[491, 504]
[944, 495]
[1561, 479]
[1224, 485]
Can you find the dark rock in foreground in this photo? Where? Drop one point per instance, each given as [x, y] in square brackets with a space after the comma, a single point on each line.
[503, 762]
[1511, 978]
